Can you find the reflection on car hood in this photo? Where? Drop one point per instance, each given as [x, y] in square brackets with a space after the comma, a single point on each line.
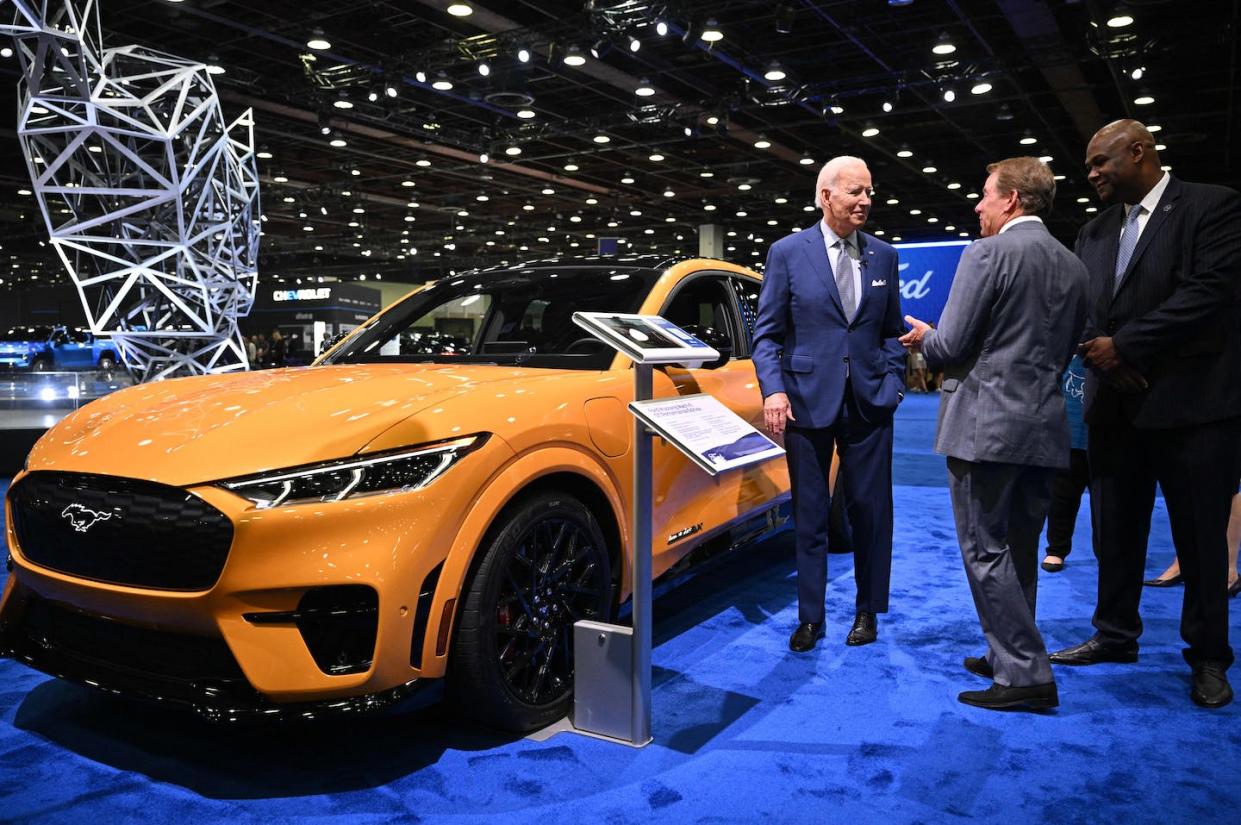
[219, 426]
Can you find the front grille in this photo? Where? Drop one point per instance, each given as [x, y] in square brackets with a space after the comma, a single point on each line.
[120, 530]
[88, 638]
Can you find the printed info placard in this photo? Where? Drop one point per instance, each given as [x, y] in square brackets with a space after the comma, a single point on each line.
[713, 436]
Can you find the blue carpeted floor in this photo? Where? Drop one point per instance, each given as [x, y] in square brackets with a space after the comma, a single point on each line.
[745, 731]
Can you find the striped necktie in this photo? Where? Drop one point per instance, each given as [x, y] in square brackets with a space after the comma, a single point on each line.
[1128, 240]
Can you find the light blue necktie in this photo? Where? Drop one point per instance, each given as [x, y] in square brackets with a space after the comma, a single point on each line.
[844, 280]
[1128, 240]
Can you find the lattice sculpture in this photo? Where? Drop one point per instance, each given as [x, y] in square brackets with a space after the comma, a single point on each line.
[150, 197]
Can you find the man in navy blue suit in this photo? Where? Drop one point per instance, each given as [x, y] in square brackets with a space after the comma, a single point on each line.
[831, 371]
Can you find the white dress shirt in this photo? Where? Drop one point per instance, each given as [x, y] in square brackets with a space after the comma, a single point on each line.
[1017, 220]
[1148, 204]
[830, 239]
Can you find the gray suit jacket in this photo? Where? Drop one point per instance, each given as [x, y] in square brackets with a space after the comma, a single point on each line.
[1011, 324]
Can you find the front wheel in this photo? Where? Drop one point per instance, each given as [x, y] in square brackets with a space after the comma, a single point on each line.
[545, 568]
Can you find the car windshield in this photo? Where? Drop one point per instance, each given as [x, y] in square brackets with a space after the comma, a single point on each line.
[520, 316]
[27, 334]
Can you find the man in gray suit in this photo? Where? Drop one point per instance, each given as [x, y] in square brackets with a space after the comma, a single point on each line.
[1011, 324]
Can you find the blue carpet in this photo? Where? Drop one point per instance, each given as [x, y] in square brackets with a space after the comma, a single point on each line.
[744, 730]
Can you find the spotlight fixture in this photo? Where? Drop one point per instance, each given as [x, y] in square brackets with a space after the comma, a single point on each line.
[599, 48]
[338, 140]
[441, 82]
[1154, 127]
[887, 106]
[460, 9]
[784, 19]
[711, 31]
[661, 28]
[213, 65]
[523, 55]
[634, 44]
[6, 52]
[420, 76]
[1004, 113]
[949, 95]
[525, 114]
[929, 169]
[512, 151]
[571, 167]
[944, 45]
[1144, 98]
[775, 72]
[484, 68]
[1120, 17]
[904, 151]
[342, 100]
[627, 179]
[655, 157]
[264, 153]
[645, 89]
[483, 157]
[573, 57]
[1137, 73]
[1028, 139]
[762, 143]
[980, 88]
[870, 131]
[372, 95]
[806, 160]
[602, 139]
[318, 42]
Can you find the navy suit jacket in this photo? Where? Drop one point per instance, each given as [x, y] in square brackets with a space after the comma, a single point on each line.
[803, 345]
[1175, 316]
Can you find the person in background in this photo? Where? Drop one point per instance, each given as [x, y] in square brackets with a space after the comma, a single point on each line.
[277, 353]
[1068, 485]
[1172, 576]
[917, 372]
[251, 352]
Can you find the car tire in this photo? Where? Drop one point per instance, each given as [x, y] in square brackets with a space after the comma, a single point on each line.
[41, 365]
[544, 568]
[106, 363]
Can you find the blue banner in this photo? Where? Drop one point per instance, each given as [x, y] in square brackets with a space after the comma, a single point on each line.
[926, 272]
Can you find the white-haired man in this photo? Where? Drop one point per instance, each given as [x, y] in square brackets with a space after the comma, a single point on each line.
[831, 371]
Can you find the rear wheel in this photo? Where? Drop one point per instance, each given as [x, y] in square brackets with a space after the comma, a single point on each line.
[545, 568]
[41, 365]
[107, 363]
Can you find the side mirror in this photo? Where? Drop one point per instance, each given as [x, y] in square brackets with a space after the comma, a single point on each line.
[717, 340]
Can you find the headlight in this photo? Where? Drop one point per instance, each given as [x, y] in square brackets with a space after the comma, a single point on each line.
[411, 468]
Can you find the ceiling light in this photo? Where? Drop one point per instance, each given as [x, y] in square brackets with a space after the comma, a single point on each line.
[656, 157]
[263, 154]
[6, 52]
[525, 114]
[599, 48]
[523, 55]
[1159, 147]
[904, 152]
[342, 100]
[954, 185]
[972, 196]
[338, 140]
[949, 95]
[513, 151]
[484, 69]
[573, 57]
[1137, 73]
[441, 82]
[929, 169]
[460, 9]
[420, 76]
[408, 183]
[634, 44]
[892, 201]
[317, 41]
[280, 177]
[547, 190]
[661, 28]
[943, 45]
[645, 89]
[1144, 99]
[706, 173]
[1120, 17]
[483, 157]
[1028, 139]
[529, 207]
[668, 193]
[571, 167]
[1046, 158]
[628, 178]
[745, 187]
[422, 162]
[870, 131]
[980, 88]
[711, 31]
[806, 160]
[372, 95]
[1154, 128]
[481, 198]
[602, 139]
[1004, 112]
[887, 106]
[713, 120]
[775, 71]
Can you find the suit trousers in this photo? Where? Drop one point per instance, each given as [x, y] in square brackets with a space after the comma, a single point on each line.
[999, 511]
[1196, 467]
[1066, 499]
[865, 481]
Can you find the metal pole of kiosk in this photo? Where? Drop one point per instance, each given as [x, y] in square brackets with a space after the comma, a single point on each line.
[641, 567]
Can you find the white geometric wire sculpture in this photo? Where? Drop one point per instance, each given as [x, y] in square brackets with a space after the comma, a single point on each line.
[150, 197]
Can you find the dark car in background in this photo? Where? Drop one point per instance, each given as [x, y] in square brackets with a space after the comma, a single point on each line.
[55, 348]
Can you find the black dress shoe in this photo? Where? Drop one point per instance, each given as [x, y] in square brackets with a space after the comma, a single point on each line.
[1171, 581]
[999, 697]
[1092, 652]
[805, 636]
[979, 666]
[864, 631]
[1234, 588]
[1211, 688]
[1053, 566]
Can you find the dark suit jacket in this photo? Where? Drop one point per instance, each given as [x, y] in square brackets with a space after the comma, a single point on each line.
[804, 347]
[1176, 315]
[1013, 318]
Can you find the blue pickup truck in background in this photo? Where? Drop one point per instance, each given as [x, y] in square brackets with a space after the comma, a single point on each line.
[55, 348]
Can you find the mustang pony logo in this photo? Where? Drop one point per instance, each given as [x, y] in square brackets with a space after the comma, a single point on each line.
[83, 518]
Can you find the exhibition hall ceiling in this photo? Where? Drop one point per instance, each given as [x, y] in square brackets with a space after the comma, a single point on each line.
[415, 138]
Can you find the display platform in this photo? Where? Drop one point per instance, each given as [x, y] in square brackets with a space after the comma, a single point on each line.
[745, 731]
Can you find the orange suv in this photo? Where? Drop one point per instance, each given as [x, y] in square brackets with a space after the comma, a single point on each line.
[443, 493]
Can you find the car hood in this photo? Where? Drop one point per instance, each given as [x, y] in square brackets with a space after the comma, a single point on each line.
[192, 430]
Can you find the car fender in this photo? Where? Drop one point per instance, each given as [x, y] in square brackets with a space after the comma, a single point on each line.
[516, 476]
